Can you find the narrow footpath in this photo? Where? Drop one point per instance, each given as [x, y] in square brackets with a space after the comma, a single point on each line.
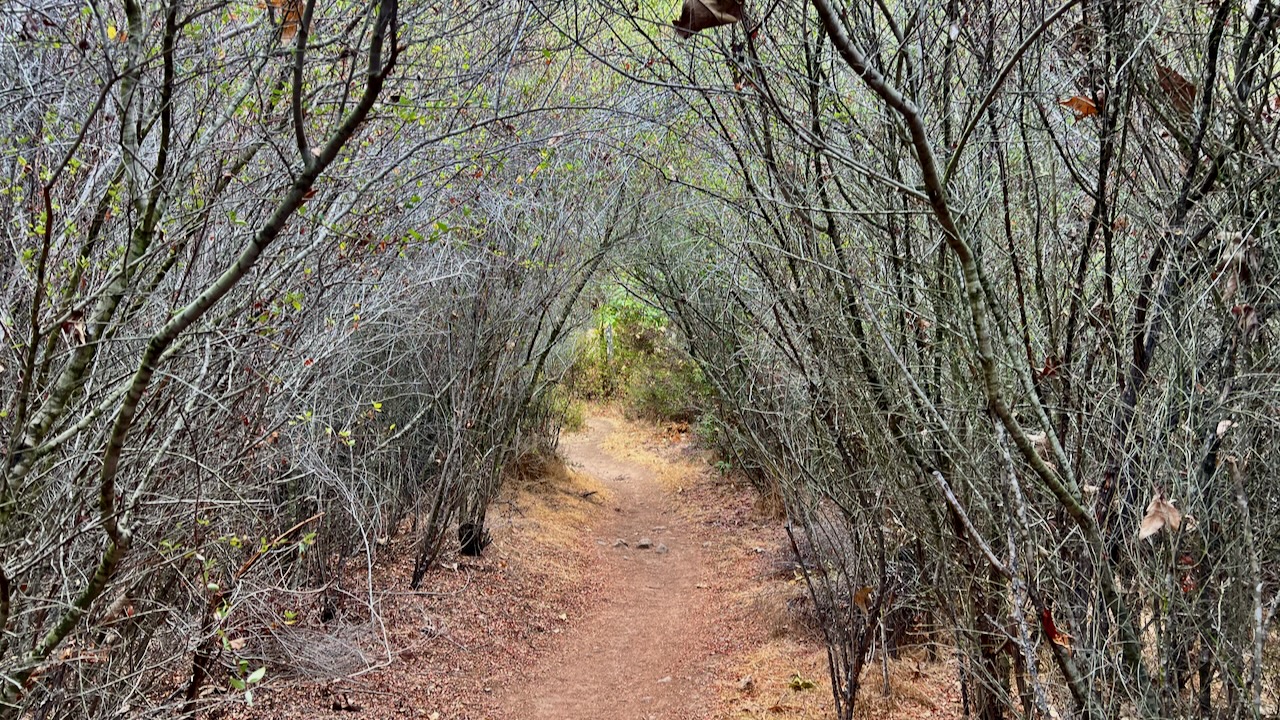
[644, 652]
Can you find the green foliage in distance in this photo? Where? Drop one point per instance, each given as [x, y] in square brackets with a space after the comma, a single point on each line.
[629, 355]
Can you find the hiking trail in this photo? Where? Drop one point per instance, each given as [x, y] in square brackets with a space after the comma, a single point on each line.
[642, 652]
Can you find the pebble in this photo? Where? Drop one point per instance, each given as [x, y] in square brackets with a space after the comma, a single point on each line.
[620, 543]
[661, 549]
[644, 543]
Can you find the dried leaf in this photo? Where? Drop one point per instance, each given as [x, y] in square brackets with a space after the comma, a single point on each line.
[1051, 631]
[1180, 91]
[1160, 513]
[1082, 107]
[698, 15]
[862, 598]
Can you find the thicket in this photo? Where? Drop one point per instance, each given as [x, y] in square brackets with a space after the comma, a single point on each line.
[630, 355]
[985, 291]
[285, 280]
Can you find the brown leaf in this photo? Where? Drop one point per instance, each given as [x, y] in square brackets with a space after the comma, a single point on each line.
[1082, 107]
[1224, 426]
[698, 15]
[289, 20]
[862, 598]
[1180, 91]
[1160, 513]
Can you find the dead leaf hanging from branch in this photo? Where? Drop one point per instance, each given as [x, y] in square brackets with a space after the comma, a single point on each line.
[1082, 107]
[698, 15]
[1160, 513]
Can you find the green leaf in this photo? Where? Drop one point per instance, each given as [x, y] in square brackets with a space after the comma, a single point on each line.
[799, 682]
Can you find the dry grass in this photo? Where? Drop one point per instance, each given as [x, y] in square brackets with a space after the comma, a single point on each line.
[475, 623]
[639, 443]
[548, 501]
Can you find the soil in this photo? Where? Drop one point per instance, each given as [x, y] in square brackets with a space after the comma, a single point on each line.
[567, 617]
[646, 649]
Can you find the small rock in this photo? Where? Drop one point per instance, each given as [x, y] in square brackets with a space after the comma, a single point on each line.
[644, 543]
[621, 543]
[666, 679]
[746, 683]
[601, 543]
[661, 549]
[659, 528]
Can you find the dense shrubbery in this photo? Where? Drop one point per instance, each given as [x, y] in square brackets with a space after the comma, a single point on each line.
[630, 356]
[274, 294]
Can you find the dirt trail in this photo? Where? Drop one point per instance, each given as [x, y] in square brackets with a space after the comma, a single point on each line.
[642, 652]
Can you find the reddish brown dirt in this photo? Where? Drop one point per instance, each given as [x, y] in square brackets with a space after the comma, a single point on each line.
[645, 651]
[558, 621]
